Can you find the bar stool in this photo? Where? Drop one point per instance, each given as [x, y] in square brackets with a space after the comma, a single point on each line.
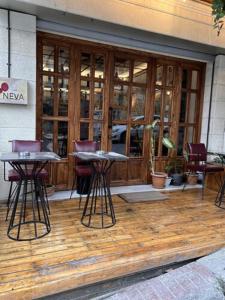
[82, 170]
[14, 176]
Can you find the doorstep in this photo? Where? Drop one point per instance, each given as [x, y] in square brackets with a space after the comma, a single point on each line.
[62, 195]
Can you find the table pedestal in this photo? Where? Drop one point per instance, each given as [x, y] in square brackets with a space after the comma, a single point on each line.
[98, 209]
[29, 219]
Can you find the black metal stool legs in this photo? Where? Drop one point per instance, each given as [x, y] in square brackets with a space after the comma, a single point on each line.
[32, 216]
[220, 198]
[98, 209]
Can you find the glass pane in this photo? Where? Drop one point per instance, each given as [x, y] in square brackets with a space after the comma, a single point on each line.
[192, 105]
[190, 134]
[140, 72]
[63, 66]
[157, 104]
[97, 131]
[47, 136]
[159, 75]
[62, 138]
[84, 131]
[180, 141]
[194, 80]
[166, 133]
[48, 95]
[48, 58]
[98, 100]
[122, 69]
[63, 96]
[85, 65]
[136, 140]
[120, 102]
[138, 103]
[85, 99]
[119, 133]
[185, 79]
[99, 66]
[167, 105]
[183, 106]
[169, 75]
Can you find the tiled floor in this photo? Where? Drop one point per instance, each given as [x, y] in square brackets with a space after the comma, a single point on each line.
[123, 189]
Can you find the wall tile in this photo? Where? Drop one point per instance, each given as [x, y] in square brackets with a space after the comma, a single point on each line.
[22, 21]
[220, 61]
[3, 64]
[203, 138]
[218, 126]
[208, 74]
[204, 125]
[3, 18]
[23, 67]
[3, 39]
[23, 43]
[13, 133]
[220, 91]
[216, 142]
[219, 110]
[205, 111]
[22, 116]
[4, 187]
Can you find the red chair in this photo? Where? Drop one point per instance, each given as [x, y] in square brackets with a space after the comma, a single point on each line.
[14, 177]
[197, 162]
[83, 170]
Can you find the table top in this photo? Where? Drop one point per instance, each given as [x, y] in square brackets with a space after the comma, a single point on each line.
[33, 156]
[88, 156]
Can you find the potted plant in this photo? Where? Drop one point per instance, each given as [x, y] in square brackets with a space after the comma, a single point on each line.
[218, 13]
[191, 177]
[174, 169]
[158, 178]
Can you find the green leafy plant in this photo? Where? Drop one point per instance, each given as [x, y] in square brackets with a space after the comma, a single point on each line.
[166, 141]
[174, 165]
[218, 13]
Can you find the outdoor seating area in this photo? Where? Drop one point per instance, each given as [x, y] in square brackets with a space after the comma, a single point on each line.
[112, 142]
[147, 235]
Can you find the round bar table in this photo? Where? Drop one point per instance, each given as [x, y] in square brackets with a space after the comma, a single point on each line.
[29, 219]
[98, 209]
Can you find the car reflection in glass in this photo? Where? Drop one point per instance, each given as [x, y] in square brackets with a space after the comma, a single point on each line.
[119, 131]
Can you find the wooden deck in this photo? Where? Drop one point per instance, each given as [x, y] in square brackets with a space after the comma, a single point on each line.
[146, 235]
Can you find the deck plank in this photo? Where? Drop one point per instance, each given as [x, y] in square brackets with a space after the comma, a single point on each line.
[146, 235]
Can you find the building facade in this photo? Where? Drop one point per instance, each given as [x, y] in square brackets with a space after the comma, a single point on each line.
[105, 71]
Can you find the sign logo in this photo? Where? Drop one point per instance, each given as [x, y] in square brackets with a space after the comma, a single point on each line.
[13, 91]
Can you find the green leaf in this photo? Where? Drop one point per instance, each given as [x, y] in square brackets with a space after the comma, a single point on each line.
[168, 143]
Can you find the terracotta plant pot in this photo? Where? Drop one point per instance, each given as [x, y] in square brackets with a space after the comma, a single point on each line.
[192, 179]
[159, 180]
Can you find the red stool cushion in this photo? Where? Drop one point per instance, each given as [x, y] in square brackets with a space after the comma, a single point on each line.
[13, 175]
[83, 170]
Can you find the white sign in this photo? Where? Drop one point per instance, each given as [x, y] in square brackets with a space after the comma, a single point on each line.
[13, 91]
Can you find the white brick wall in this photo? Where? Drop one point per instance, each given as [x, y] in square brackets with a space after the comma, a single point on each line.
[17, 122]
